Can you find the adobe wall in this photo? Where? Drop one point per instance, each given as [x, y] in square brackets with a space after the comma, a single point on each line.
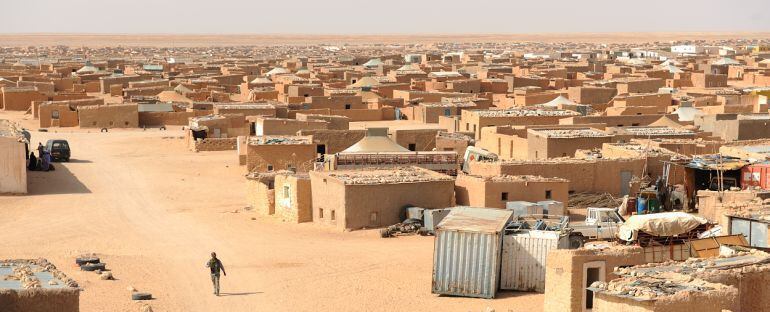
[564, 287]
[40, 300]
[299, 156]
[165, 118]
[271, 126]
[384, 113]
[542, 147]
[476, 192]
[215, 144]
[641, 86]
[593, 176]
[297, 207]
[387, 200]
[692, 301]
[259, 196]
[591, 95]
[423, 139]
[752, 284]
[68, 117]
[513, 145]
[13, 166]
[335, 122]
[337, 102]
[328, 200]
[451, 144]
[108, 116]
[269, 112]
[14, 100]
[71, 102]
[616, 121]
[335, 141]
[105, 83]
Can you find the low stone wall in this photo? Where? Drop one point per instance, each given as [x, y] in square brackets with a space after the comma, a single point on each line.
[40, 300]
[216, 144]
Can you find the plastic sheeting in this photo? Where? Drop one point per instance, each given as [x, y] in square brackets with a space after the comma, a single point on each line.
[662, 224]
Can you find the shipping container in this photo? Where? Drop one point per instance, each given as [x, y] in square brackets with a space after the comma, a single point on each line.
[523, 258]
[755, 231]
[432, 217]
[756, 175]
[524, 208]
[552, 207]
[466, 254]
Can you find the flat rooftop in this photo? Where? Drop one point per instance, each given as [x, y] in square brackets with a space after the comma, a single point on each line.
[571, 133]
[518, 178]
[657, 131]
[245, 106]
[9, 129]
[387, 176]
[280, 140]
[524, 112]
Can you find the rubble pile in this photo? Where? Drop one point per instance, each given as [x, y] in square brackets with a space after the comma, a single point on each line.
[657, 131]
[572, 133]
[756, 208]
[522, 178]
[455, 136]
[526, 112]
[653, 280]
[24, 271]
[276, 140]
[387, 176]
[585, 200]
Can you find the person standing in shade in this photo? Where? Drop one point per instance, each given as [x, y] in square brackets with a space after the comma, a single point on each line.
[215, 266]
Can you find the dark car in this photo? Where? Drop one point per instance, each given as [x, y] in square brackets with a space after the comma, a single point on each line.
[59, 149]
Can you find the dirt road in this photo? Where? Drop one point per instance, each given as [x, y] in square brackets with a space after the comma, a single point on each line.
[154, 211]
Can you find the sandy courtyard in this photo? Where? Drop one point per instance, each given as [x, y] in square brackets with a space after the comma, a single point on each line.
[153, 211]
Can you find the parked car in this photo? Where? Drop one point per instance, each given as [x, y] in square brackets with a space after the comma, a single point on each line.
[59, 149]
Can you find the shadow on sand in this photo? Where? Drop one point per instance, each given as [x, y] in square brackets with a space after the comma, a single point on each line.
[59, 181]
[239, 293]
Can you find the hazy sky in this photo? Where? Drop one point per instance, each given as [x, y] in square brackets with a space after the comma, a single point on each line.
[379, 17]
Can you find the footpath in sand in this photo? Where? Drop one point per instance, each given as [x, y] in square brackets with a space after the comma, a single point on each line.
[154, 211]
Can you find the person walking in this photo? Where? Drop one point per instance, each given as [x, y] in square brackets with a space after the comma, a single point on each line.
[215, 266]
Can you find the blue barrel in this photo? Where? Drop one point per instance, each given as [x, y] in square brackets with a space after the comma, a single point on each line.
[641, 205]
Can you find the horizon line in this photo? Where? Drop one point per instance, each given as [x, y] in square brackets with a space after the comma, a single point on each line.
[721, 32]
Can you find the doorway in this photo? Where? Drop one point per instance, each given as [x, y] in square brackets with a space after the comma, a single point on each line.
[592, 272]
[625, 180]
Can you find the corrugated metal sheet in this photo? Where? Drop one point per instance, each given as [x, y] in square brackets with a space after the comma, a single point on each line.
[523, 259]
[470, 219]
[466, 258]
[466, 263]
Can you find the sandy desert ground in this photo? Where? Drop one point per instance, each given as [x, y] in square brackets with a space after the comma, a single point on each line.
[153, 211]
[192, 40]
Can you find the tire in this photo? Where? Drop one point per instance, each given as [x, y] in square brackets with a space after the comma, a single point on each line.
[384, 233]
[93, 267]
[82, 261]
[141, 296]
[576, 241]
[67, 159]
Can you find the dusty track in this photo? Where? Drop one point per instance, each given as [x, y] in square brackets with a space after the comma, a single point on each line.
[154, 211]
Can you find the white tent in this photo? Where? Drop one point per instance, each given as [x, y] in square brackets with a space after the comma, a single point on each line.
[375, 141]
[277, 71]
[558, 101]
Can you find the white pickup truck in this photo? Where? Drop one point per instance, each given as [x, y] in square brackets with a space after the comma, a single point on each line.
[600, 224]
